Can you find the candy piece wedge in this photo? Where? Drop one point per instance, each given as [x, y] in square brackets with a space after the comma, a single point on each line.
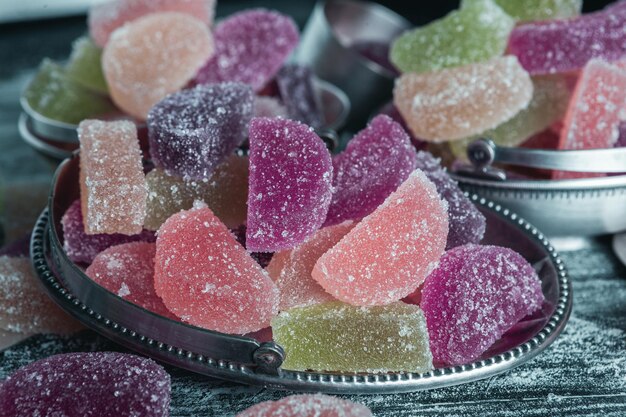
[307, 405]
[339, 337]
[532, 10]
[154, 56]
[390, 252]
[207, 278]
[376, 161]
[452, 104]
[85, 65]
[290, 184]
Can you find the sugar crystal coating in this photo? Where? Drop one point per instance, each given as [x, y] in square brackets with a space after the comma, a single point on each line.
[532, 10]
[567, 45]
[375, 162]
[85, 66]
[477, 32]
[291, 269]
[104, 18]
[192, 131]
[127, 270]
[455, 103]
[475, 295]
[307, 405]
[153, 56]
[262, 258]
[87, 384]
[390, 252]
[24, 307]
[207, 278]
[466, 223]
[596, 109]
[112, 184]
[250, 47]
[298, 94]
[225, 192]
[290, 184]
[269, 107]
[81, 247]
[340, 337]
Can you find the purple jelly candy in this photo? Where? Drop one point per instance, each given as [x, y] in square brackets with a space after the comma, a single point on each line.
[17, 248]
[467, 224]
[297, 91]
[192, 131]
[87, 384]
[473, 297]
[250, 47]
[262, 258]
[392, 111]
[81, 247]
[376, 161]
[289, 185]
[567, 45]
[269, 107]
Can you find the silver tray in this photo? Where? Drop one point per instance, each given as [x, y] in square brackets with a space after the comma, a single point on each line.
[245, 360]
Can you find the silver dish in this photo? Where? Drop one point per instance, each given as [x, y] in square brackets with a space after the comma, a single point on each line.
[245, 360]
[560, 208]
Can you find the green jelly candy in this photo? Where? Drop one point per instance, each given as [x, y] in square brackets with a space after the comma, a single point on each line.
[530, 10]
[339, 337]
[476, 32]
[84, 65]
[551, 95]
[53, 95]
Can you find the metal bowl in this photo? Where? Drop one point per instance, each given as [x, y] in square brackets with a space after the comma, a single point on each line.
[248, 361]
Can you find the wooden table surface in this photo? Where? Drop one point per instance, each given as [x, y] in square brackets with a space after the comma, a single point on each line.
[583, 373]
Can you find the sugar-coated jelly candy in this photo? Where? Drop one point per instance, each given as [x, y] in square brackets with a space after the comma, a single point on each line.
[104, 18]
[477, 32]
[127, 270]
[81, 247]
[340, 337]
[290, 184]
[596, 109]
[24, 307]
[192, 131]
[567, 45]
[551, 94]
[54, 95]
[291, 269]
[459, 102]
[466, 223]
[269, 107]
[250, 47]
[112, 184]
[376, 161]
[207, 278]
[390, 252]
[85, 65]
[391, 110]
[532, 10]
[153, 56]
[307, 405]
[298, 94]
[87, 384]
[262, 258]
[475, 295]
[225, 192]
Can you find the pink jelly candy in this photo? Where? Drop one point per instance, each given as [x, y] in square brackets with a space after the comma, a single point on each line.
[207, 278]
[250, 47]
[391, 251]
[153, 56]
[192, 131]
[269, 107]
[467, 224]
[307, 405]
[289, 184]
[81, 247]
[24, 306]
[376, 161]
[596, 108]
[567, 45]
[87, 384]
[262, 258]
[475, 295]
[127, 270]
[291, 269]
[112, 184]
